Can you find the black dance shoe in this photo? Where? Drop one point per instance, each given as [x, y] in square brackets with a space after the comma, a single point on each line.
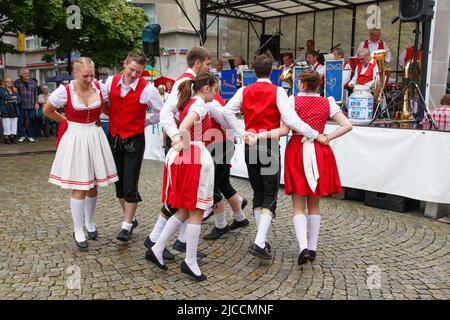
[239, 224]
[124, 235]
[216, 233]
[135, 224]
[83, 245]
[312, 255]
[150, 256]
[244, 203]
[269, 248]
[303, 257]
[168, 211]
[185, 269]
[181, 247]
[92, 235]
[260, 252]
[167, 255]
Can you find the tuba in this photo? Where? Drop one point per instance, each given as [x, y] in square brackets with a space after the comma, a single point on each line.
[288, 76]
[380, 80]
[407, 96]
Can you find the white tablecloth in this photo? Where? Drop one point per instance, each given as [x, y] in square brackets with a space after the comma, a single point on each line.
[409, 163]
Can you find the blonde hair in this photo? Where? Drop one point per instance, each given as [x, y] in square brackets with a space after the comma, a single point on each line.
[79, 63]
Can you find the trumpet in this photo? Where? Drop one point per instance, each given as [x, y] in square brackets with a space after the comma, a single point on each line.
[288, 76]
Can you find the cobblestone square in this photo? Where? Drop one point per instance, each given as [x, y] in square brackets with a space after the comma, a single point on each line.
[363, 252]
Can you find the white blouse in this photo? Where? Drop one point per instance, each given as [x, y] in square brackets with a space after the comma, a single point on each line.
[334, 107]
[58, 98]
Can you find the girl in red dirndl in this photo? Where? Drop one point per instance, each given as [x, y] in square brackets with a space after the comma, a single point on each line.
[188, 174]
[310, 169]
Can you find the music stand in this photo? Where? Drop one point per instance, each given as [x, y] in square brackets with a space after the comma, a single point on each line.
[411, 85]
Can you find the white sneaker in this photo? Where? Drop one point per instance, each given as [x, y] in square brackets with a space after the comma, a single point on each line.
[21, 139]
[31, 140]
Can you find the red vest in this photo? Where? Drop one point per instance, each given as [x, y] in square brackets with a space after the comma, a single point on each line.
[127, 114]
[410, 55]
[215, 124]
[259, 106]
[368, 75]
[380, 45]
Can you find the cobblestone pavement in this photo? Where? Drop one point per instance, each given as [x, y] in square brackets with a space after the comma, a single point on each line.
[38, 258]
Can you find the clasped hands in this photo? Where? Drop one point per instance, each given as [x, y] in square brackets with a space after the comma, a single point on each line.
[251, 138]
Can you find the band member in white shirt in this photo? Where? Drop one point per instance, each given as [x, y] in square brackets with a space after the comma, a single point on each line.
[366, 72]
[339, 55]
[288, 64]
[375, 43]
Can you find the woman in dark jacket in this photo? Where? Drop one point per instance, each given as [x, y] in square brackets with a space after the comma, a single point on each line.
[9, 111]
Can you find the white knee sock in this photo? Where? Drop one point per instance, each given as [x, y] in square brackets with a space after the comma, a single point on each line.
[157, 229]
[89, 213]
[313, 230]
[300, 225]
[77, 208]
[239, 215]
[192, 237]
[220, 220]
[182, 234]
[263, 228]
[169, 230]
[257, 217]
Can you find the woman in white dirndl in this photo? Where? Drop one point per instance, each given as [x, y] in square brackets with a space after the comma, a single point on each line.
[83, 158]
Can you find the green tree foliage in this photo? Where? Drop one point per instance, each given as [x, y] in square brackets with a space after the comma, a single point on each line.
[109, 28]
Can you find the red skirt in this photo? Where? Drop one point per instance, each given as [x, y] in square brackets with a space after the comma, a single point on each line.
[191, 182]
[294, 175]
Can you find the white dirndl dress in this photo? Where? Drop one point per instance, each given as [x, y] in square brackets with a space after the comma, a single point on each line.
[83, 159]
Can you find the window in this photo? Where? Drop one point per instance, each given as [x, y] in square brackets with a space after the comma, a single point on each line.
[149, 10]
[31, 43]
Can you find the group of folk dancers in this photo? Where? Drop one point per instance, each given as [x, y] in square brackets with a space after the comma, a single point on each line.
[199, 131]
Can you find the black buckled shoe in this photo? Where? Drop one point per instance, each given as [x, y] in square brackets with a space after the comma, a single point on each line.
[260, 252]
[124, 235]
[312, 255]
[239, 224]
[167, 255]
[303, 257]
[150, 256]
[181, 247]
[269, 248]
[92, 235]
[135, 224]
[244, 203]
[216, 233]
[185, 269]
[83, 245]
[168, 211]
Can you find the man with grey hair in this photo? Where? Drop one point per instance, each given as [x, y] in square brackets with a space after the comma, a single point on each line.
[375, 43]
[366, 72]
[29, 93]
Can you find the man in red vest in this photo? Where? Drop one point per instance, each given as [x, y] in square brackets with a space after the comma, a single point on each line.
[130, 96]
[375, 43]
[366, 72]
[264, 106]
[407, 55]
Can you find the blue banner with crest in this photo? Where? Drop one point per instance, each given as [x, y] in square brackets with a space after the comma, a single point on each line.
[334, 84]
